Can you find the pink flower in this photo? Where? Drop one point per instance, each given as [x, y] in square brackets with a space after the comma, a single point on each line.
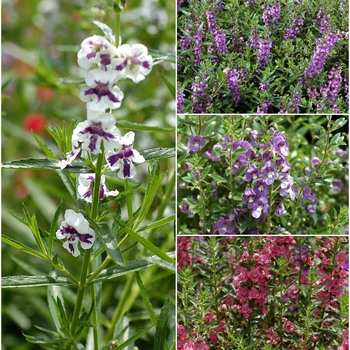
[201, 346]
[345, 336]
[213, 336]
[341, 258]
[253, 294]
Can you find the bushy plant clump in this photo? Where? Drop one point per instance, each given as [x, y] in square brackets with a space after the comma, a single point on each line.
[262, 56]
[262, 293]
[262, 175]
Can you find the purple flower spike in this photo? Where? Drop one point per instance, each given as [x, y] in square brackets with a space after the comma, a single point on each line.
[279, 144]
[280, 210]
[196, 142]
[224, 226]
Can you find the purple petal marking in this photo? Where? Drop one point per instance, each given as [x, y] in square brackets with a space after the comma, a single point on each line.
[126, 170]
[91, 55]
[146, 65]
[85, 237]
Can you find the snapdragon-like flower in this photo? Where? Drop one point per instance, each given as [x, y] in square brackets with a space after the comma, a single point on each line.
[100, 92]
[133, 62]
[124, 156]
[96, 129]
[196, 142]
[75, 228]
[86, 187]
[96, 50]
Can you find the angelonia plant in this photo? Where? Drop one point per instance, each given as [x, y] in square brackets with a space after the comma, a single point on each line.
[262, 175]
[94, 148]
[263, 292]
[263, 56]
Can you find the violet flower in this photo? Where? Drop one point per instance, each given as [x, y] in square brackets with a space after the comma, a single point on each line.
[196, 143]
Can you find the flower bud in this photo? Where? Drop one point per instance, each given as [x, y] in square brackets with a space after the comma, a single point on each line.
[98, 13]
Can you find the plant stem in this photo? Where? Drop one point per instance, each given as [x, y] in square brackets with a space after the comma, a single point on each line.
[129, 204]
[117, 28]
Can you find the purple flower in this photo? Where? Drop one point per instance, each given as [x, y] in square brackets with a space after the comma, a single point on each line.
[265, 46]
[315, 162]
[269, 172]
[264, 107]
[180, 100]
[280, 210]
[220, 42]
[196, 143]
[252, 173]
[260, 206]
[224, 226]
[250, 197]
[239, 163]
[232, 78]
[279, 144]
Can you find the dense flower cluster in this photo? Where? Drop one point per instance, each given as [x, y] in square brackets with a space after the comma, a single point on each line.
[105, 65]
[228, 181]
[271, 280]
[292, 45]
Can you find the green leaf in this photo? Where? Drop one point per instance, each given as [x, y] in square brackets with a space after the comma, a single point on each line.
[18, 245]
[132, 266]
[104, 28]
[149, 245]
[146, 300]
[158, 153]
[33, 281]
[153, 184]
[45, 148]
[337, 124]
[157, 223]
[155, 260]
[36, 340]
[109, 241]
[218, 178]
[53, 229]
[133, 338]
[161, 329]
[44, 163]
[137, 126]
[170, 86]
[71, 80]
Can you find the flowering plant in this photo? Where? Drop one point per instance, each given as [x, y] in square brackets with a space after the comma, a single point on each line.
[261, 56]
[262, 175]
[263, 292]
[119, 235]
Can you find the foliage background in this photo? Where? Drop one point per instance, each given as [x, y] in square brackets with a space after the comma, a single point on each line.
[39, 46]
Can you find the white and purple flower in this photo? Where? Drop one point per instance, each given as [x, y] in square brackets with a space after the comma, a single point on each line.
[196, 142]
[100, 92]
[96, 50]
[133, 62]
[86, 187]
[96, 129]
[75, 228]
[124, 156]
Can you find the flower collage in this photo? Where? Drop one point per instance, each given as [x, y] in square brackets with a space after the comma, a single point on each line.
[175, 175]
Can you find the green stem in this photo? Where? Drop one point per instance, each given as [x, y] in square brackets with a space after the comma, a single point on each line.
[94, 316]
[101, 267]
[82, 285]
[129, 204]
[126, 298]
[117, 28]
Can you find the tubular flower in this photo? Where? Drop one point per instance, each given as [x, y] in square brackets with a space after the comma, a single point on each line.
[124, 156]
[86, 187]
[100, 92]
[75, 228]
[133, 62]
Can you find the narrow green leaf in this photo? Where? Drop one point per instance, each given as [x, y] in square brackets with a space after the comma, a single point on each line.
[53, 228]
[20, 219]
[109, 241]
[45, 148]
[18, 245]
[158, 223]
[137, 126]
[163, 264]
[149, 245]
[33, 281]
[104, 28]
[71, 80]
[158, 153]
[36, 340]
[170, 86]
[161, 329]
[133, 338]
[117, 271]
[146, 300]
[36, 233]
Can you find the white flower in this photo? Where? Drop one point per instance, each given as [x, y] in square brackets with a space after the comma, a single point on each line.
[133, 62]
[96, 50]
[96, 129]
[124, 157]
[86, 187]
[75, 229]
[101, 90]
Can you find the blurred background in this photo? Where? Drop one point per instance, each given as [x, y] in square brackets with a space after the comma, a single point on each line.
[40, 41]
